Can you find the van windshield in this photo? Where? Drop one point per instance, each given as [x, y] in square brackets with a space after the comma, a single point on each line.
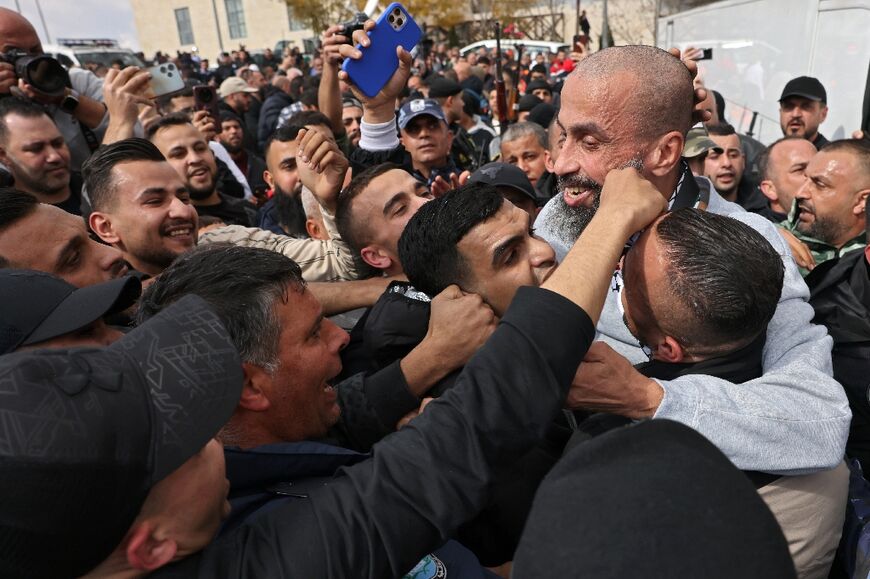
[107, 58]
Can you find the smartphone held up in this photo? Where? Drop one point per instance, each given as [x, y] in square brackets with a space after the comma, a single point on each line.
[394, 28]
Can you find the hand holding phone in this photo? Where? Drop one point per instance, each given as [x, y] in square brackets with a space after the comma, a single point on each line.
[374, 62]
[165, 79]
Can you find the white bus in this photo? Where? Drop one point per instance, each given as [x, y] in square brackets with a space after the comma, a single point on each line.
[759, 45]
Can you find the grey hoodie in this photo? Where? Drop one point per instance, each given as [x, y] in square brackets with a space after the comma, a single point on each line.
[795, 418]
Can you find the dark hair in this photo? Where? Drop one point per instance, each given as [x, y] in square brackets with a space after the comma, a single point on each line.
[21, 107]
[763, 159]
[722, 129]
[304, 119]
[351, 230]
[538, 68]
[427, 247]
[858, 148]
[283, 134]
[724, 275]
[720, 104]
[14, 206]
[97, 169]
[170, 120]
[309, 97]
[241, 284]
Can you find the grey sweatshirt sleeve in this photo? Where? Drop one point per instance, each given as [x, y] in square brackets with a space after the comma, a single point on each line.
[792, 420]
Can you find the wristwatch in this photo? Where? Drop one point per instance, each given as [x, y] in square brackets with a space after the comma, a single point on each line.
[70, 102]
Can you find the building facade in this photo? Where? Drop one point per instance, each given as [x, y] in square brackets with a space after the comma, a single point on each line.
[209, 27]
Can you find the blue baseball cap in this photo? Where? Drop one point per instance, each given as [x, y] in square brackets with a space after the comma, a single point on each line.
[417, 107]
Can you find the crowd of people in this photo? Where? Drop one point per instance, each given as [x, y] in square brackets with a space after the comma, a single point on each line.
[586, 329]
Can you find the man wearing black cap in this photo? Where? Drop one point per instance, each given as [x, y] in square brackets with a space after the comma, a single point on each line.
[511, 182]
[116, 468]
[39, 310]
[464, 149]
[526, 103]
[803, 106]
[541, 89]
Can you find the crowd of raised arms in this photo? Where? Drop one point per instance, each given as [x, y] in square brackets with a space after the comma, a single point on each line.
[312, 333]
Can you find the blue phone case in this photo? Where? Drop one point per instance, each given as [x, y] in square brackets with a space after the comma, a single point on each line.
[379, 61]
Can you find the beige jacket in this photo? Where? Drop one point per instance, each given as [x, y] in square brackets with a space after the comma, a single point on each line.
[330, 260]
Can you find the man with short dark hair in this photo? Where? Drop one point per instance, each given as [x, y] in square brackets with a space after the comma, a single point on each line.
[474, 238]
[803, 106]
[188, 152]
[726, 170]
[42, 237]
[34, 150]
[140, 204]
[830, 218]
[232, 137]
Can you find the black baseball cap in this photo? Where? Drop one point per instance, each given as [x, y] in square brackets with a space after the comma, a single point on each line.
[504, 175]
[538, 84]
[806, 87]
[655, 499]
[528, 102]
[89, 431]
[443, 87]
[36, 306]
[542, 114]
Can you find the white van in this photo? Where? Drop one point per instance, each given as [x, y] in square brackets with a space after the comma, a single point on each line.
[79, 51]
[530, 47]
[759, 45]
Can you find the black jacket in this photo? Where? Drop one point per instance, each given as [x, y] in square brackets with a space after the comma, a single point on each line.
[269, 115]
[840, 295]
[378, 518]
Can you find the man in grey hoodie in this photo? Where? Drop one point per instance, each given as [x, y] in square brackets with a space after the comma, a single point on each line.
[631, 106]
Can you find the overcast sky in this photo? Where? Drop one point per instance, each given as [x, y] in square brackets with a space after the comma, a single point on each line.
[81, 19]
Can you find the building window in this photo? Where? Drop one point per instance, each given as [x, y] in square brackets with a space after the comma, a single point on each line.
[236, 18]
[185, 29]
[292, 23]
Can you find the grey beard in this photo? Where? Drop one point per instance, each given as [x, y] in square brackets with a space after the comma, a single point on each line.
[569, 222]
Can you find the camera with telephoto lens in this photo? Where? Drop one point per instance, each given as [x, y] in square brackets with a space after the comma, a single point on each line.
[42, 72]
[352, 25]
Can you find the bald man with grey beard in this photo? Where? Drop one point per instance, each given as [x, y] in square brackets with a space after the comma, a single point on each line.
[633, 105]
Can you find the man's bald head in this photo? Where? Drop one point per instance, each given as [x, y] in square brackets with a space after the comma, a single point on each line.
[16, 31]
[661, 91]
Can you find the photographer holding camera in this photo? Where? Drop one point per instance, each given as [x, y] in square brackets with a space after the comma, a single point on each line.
[74, 99]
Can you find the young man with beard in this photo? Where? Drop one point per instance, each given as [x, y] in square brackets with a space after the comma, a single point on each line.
[140, 204]
[829, 218]
[186, 149]
[34, 151]
[607, 122]
[726, 171]
[283, 213]
[232, 137]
